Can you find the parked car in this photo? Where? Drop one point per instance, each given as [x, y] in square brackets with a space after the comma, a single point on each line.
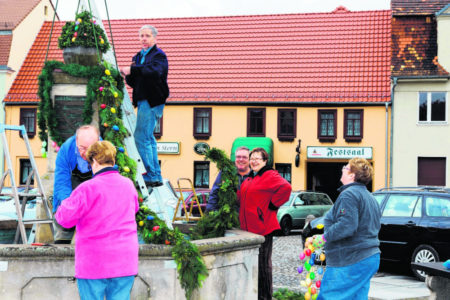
[293, 213]
[415, 225]
[202, 195]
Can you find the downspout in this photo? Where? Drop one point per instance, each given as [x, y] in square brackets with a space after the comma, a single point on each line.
[386, 164]
[391, 160]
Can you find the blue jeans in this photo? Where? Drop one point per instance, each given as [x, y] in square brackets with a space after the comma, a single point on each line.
[349, 282]
[147, 117]
[117, 288]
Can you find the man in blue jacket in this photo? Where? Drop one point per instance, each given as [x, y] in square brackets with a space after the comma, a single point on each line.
[71, 169]
[147, 75]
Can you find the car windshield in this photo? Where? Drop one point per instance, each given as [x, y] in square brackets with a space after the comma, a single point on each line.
[290, 199]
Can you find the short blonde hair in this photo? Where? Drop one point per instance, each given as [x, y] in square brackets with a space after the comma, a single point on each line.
[103, 152]
[362, 169]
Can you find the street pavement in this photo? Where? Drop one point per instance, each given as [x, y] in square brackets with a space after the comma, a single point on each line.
[387, 284]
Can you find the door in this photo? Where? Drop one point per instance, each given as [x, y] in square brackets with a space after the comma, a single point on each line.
[401, 216]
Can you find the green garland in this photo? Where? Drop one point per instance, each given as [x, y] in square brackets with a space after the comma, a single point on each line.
[217, 222]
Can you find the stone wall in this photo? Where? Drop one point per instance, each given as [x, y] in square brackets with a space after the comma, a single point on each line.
[28, 272]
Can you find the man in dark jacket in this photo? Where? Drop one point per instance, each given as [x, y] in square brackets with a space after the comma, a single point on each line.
[147, 75]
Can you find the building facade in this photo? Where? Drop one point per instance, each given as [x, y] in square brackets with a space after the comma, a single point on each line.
[421, 86]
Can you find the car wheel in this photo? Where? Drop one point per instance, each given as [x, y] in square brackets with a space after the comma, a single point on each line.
[423, 254]
[286, 225]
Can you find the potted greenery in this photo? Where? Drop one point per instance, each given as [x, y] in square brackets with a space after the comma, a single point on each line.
[80, 40]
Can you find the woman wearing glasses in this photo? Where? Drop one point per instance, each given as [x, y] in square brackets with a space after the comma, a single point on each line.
[260, 196]
[351, 235]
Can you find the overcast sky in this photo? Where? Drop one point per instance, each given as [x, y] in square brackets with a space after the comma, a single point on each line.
[133, 9]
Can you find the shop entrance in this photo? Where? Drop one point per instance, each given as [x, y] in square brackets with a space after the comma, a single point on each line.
[325, 177]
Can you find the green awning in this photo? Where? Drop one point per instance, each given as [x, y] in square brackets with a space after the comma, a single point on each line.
[252, 143]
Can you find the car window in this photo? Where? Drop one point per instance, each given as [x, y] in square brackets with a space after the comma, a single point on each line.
[309, 198]
[437, 206]
[379, 198]
[299, 201]
[323, 199]
[400, 205]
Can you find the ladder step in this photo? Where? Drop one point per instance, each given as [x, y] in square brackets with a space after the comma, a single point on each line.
[22, 195]
[38, 221]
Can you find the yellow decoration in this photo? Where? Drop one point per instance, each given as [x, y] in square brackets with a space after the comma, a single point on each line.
[319, 226]
[113, 110]
[73, 39]
[126, 169]
[102, 41]
[141, 223]
[307, 296]
[107, 72]
[116, 94]
[79, 20]
[311, 247]
[322, 257]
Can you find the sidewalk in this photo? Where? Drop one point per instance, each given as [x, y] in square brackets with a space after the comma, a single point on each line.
[385, 286]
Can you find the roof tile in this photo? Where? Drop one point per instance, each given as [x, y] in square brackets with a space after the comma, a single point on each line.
[12, 12]
[293, 58]
[417, 7]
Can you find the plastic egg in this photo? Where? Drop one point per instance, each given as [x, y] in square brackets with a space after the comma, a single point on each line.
[318, 283]
[126, 169]
[322, 257]
[115, 128]
[141, 223]
[319, 226]
[113, 110]
[320, 271]
[300, 270]
[307, 266]
[103, 106]
[155, 228]
[107, 72]
[312, 275]
[307, 296]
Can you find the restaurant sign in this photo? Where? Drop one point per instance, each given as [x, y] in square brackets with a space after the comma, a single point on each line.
[339, 152]
[168, 148]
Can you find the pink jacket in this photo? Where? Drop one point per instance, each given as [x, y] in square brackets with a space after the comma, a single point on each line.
[103, 210]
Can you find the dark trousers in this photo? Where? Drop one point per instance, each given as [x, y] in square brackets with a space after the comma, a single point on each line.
[265, 288]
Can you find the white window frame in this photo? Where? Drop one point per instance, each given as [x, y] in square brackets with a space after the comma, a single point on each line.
[429, 122]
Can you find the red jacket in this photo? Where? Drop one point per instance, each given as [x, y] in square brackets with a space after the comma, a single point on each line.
[260, 196]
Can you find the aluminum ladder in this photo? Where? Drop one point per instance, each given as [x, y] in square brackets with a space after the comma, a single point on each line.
[20, 208]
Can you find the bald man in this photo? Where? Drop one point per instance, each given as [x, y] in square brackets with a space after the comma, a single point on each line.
[71, 169]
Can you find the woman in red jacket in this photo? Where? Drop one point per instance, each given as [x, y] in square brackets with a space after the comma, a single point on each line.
[260, 196]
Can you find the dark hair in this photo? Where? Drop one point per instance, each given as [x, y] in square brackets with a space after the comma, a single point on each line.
[362, 169]
[264, 154]
[103, 152]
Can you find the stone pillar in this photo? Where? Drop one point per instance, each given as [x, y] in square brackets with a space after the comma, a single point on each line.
[68, 95]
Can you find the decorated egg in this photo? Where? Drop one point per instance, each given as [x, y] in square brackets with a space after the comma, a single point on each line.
[300, 270]
[302, 256]
[314, 297]
[102, 41]
[140, 199]
[126, 169]
[44, 155]
[101, 89]
[307, 296]
[141, 223]
[307, 252]
[107, 72]
[73, 39]
[105, 124]
[318, 283]
[121, 149]
[79, 20]
[76, 27]
[103, 106]
[320, 271]
[113, 110]
[319, 226]
[307, 266]
[116, 94]
[313, 290]
[115, 128]
[312, 275]
[150, 218]
[322, 257]
[75, 34]
[167, 242]
[155, 228]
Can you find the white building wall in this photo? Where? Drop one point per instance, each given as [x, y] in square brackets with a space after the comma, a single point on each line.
[413, 140]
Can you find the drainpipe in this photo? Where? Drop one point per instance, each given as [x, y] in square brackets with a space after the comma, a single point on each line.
[386, 164]
[391, 160]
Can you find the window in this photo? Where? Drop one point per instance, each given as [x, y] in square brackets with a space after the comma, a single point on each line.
[202, 123]
[284, 170]
[326, 131]
[287, 124]
[432, 107]
[45, 10]
[256, 122]
[400, 206]
[353, 125]
[25, 170]
[28, 119]
[437, 207]
[379, 199]
[157, 132]
[431, 171]
[201, 174]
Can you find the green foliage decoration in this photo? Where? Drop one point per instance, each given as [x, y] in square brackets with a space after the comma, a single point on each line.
[217, 222]
[285, 294]
[83, 32]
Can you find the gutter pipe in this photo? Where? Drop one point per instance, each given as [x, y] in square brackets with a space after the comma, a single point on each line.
[391, 160]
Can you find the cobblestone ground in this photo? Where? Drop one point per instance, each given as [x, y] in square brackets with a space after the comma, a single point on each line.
[285, 260]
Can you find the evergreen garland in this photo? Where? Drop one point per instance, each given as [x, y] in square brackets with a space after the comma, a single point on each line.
[217, 222]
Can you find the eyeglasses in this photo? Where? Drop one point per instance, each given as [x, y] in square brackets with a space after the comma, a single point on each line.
[242, 157]
[255, 158]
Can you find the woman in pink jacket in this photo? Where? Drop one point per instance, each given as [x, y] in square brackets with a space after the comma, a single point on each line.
[106, 244]
[260, 196]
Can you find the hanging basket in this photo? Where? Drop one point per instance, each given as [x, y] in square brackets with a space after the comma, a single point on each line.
[82, 56]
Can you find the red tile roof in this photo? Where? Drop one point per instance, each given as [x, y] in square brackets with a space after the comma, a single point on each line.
[12, 12]
[414, 47]
[5, 45]
[269, 59]
[417, 7]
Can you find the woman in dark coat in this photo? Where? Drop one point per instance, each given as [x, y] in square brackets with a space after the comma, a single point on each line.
[260, 196]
